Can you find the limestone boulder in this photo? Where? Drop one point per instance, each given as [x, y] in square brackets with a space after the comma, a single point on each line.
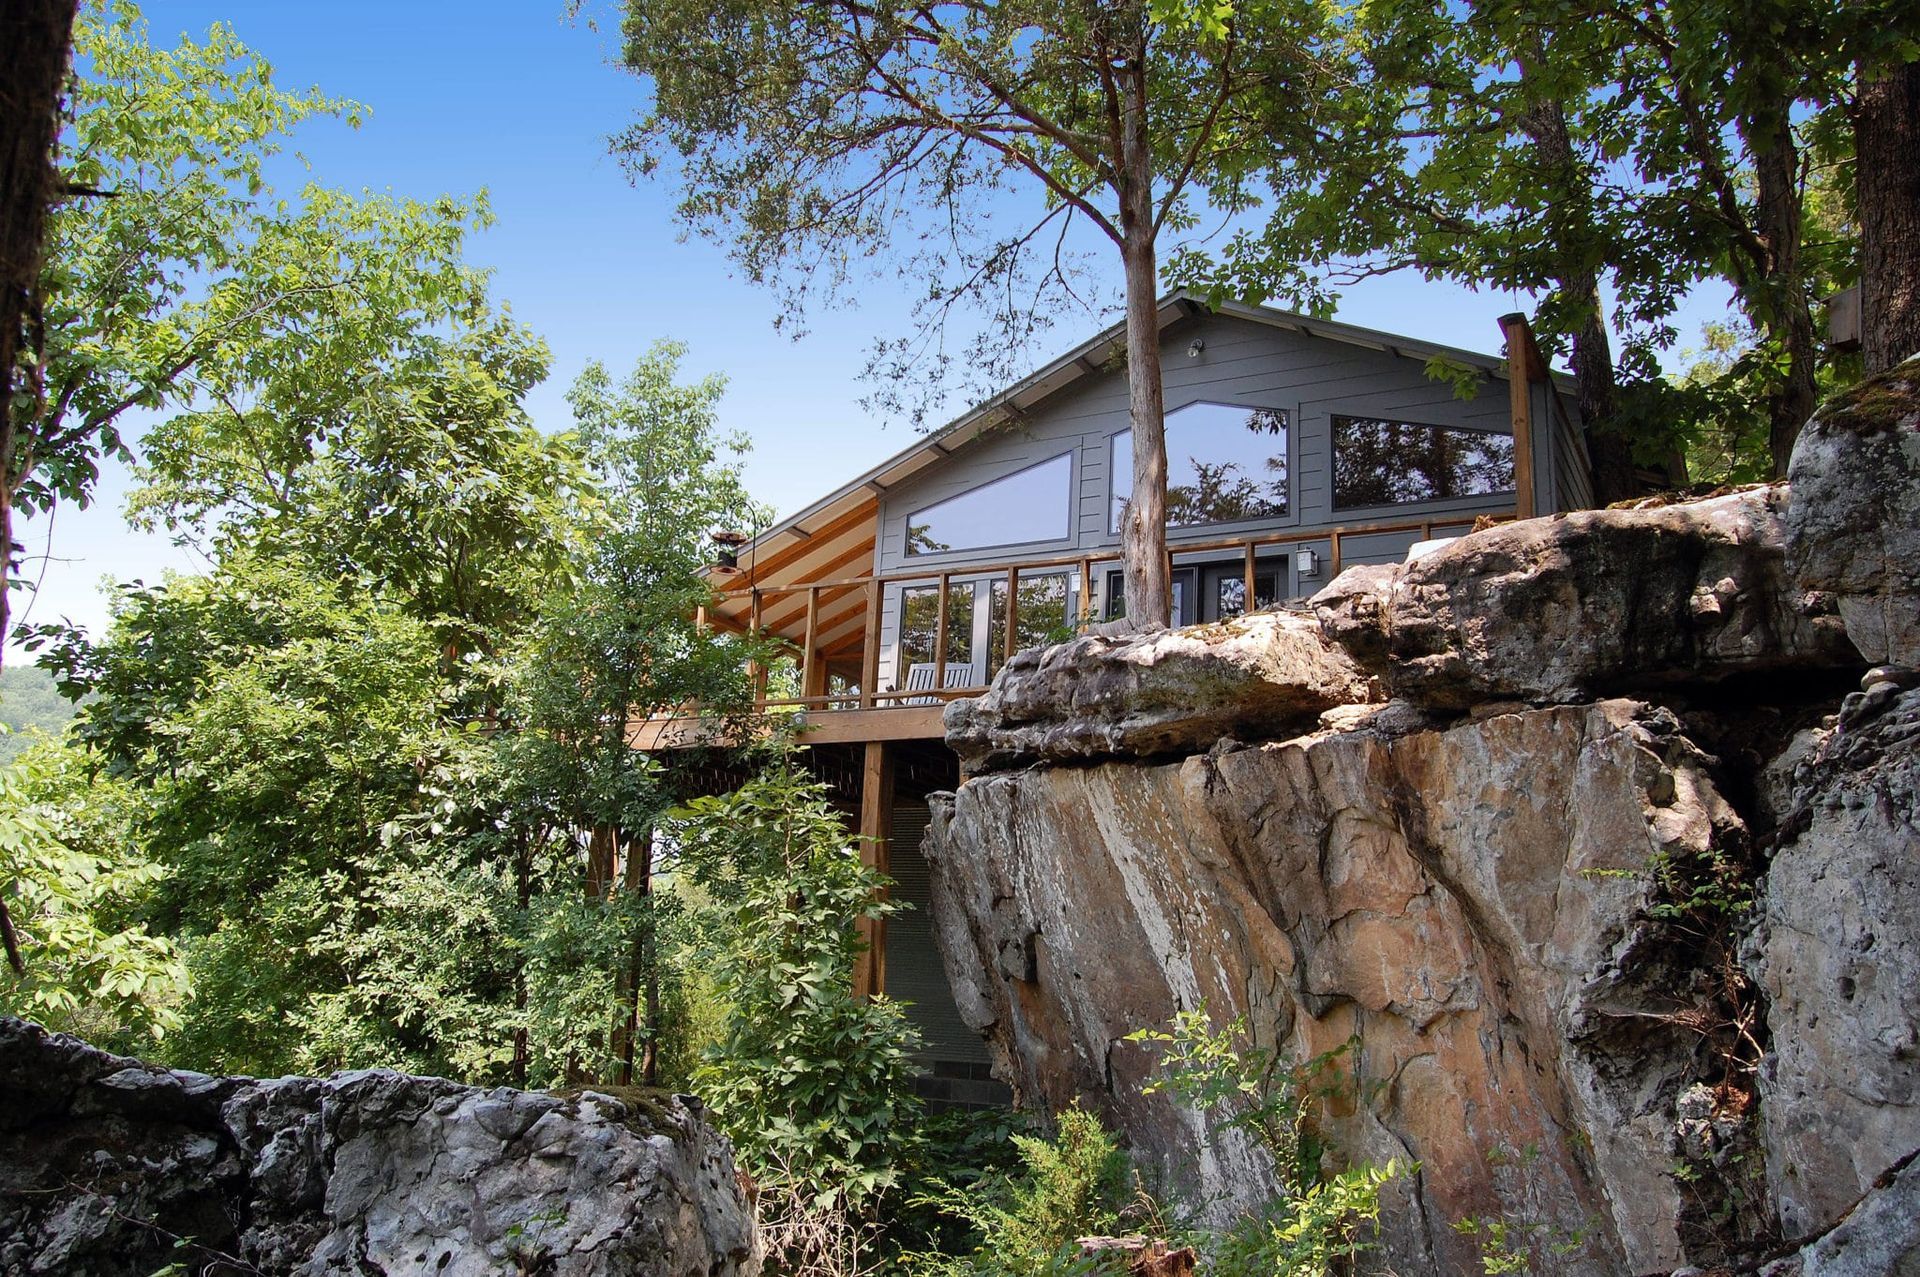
[1853, 525]
[109, 1166]
[1837, 954]
[1470, 907]
[1595, 603]
[1161, 693]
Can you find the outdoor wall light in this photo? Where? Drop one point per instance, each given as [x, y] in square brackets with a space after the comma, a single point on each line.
[726, 549]
[1306, 563]
[1194, 348]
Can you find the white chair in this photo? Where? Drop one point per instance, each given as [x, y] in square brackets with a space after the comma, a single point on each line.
[920, 679]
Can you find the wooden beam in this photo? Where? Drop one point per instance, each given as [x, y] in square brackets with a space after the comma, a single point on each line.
[876, 816]
[870, 658]
[939, 635]
[781, 558]
[1013, 614]
[808, 646]
[1246, 605]
[1521, 355]
[864, 726]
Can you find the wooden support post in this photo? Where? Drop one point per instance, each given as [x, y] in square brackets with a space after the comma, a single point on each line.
[1086, 591]
[756, 672]
[940, 638]
[870, 651]
[1521, 356]
[807, 657]
[876, 817]
[700, 622]
[1010, 644]
[1246, 605]
[1333, 568]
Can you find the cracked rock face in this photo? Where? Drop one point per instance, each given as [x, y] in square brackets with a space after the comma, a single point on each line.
[105, 1162]
[1837, 953]
[1465, 904]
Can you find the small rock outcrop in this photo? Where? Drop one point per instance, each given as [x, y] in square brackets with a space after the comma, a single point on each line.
[109, 1166]
[1854, 520]
[1595, 603]
[1165, 692]
[1571, 843]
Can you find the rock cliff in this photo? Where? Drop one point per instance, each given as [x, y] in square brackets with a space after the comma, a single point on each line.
[111, 1166]
[1594, 836]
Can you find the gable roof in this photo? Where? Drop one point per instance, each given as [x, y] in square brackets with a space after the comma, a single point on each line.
[833, 538]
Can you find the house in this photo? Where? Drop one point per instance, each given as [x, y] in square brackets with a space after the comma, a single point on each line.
[1296, 447]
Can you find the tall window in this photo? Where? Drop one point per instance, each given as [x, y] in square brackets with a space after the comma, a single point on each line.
[1041, 617]
[920, 621]
[1028, 505]
[1381, 462]
[1225, 464]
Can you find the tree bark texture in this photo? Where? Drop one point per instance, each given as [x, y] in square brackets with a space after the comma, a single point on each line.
[1610, 452]
[1886, 131]
[1143, 538]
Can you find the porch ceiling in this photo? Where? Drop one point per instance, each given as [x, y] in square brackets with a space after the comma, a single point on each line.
[833, 543]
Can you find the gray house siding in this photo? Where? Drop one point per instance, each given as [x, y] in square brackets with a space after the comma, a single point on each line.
[1241, 362]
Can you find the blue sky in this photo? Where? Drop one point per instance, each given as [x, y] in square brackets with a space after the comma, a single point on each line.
[519, 99]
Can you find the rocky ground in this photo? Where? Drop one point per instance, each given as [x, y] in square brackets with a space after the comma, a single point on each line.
[112, 1166]
[1595, 835]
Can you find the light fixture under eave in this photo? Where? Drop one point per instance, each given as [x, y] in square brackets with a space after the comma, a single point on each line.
[1306, 564]
[1194, 348]
[726, 550]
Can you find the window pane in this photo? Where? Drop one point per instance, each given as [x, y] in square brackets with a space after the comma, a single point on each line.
[1030, 505]
[1231, 598]
[920, 617]
[1040, 618]
[1224, 465]
[1380, 462]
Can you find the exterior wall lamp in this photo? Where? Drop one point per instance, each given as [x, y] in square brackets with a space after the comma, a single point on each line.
[1306, 563]
[726, 550]
[1194, 348]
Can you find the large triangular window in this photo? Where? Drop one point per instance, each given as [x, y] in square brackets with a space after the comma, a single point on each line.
[1026, 506]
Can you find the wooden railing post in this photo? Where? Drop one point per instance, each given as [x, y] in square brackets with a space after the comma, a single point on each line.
[807, 650]
[756, 672]
[1246, 605]
[1086, 590]
[870, 652]
[876, 816]
[940, 638]
[1008, 645]
[1521, 357]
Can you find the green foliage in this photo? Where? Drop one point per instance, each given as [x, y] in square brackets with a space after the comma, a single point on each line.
[1522, 1240]
[68, 881]
[810, 1081]
[1320, 1221]
[1025, 1221]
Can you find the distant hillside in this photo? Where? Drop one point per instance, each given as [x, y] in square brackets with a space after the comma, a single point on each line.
[28, 699]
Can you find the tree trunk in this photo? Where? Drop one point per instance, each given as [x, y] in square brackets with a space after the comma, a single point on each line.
[1143, 534]
[1886, 131]
[1784, 310]
[38, 37]
[639, 983]
[1609, 450]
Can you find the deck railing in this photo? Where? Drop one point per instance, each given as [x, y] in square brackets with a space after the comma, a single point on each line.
[818, 594]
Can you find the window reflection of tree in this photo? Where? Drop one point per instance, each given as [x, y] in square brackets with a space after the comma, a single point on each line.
[1041, 617]
[1381, 462]
[920, 620]
[920, 540]
[1222, 491]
